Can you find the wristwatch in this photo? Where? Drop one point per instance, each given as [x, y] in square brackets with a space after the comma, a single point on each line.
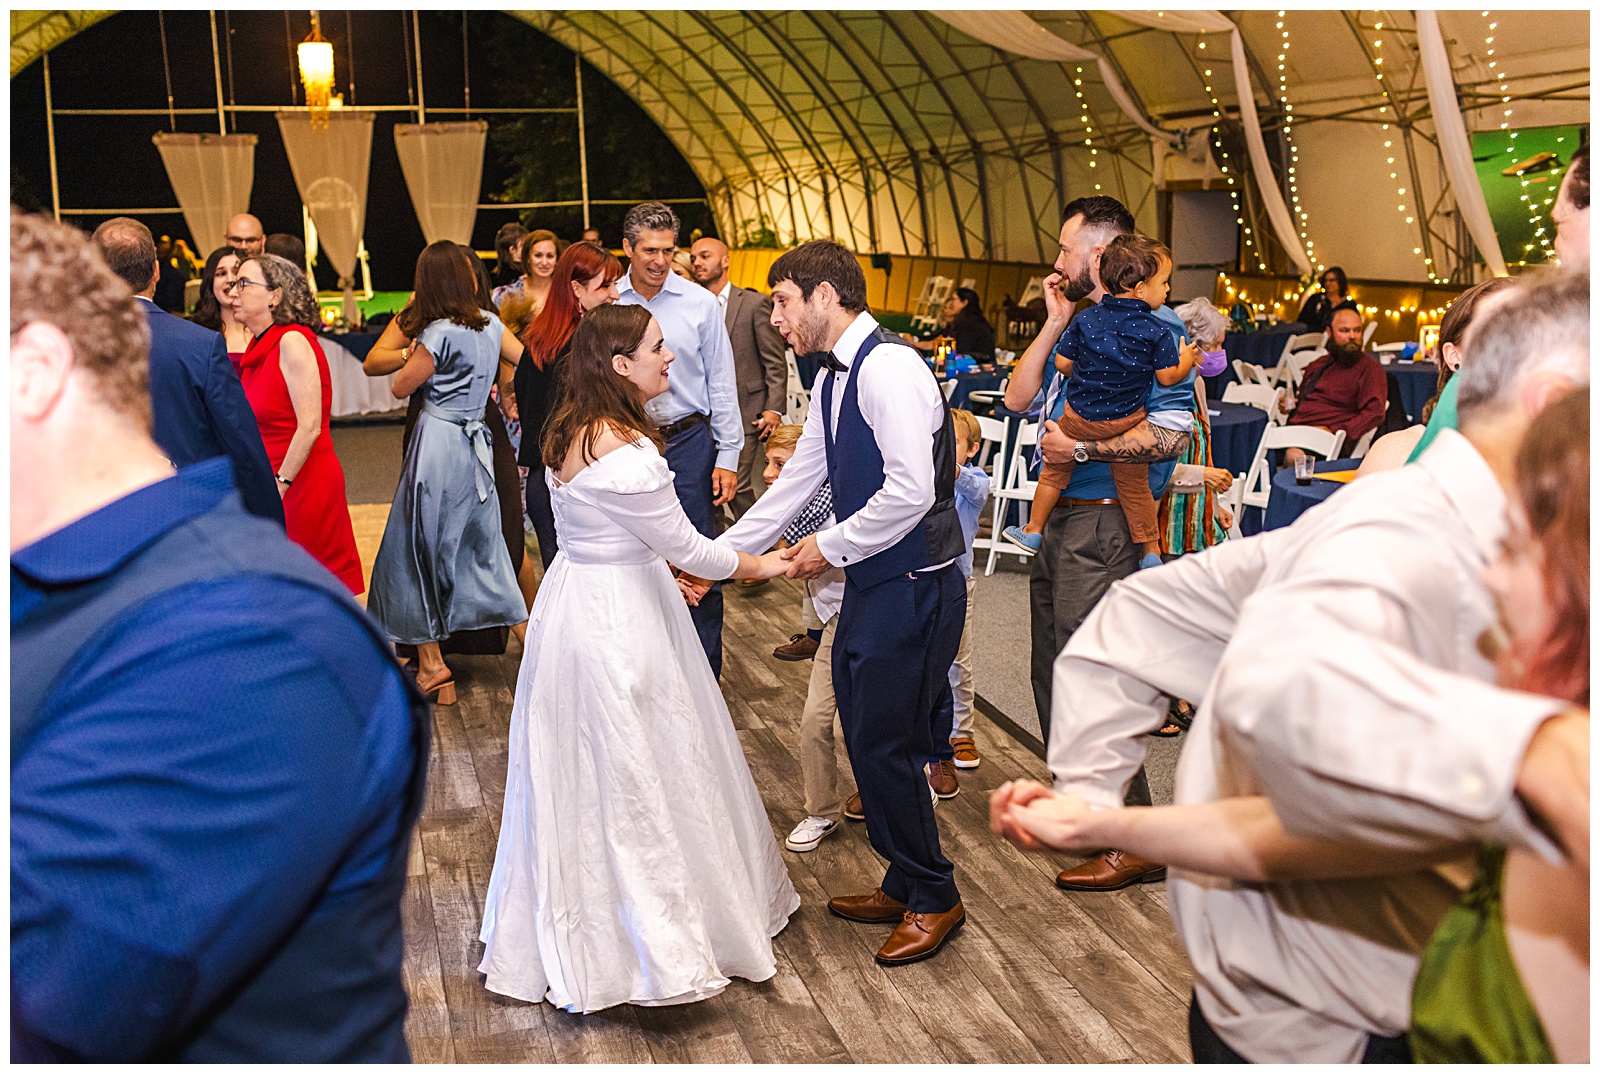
[1079, 452]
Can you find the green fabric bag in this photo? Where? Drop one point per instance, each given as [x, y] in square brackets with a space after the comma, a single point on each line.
[1468, 1004]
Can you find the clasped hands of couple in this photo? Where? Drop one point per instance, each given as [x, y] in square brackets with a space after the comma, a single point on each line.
[804, 561]
[1033, 817]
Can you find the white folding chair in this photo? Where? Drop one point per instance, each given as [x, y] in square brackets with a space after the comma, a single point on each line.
[949, 387]
[1258, 482]
[1250, 373]
[1013, 488]
[1360, 450]
[991, 453]
[1293, 366]
[1306, 341]
[1233, 500]
[1366, 333]
[1257, 395]
[798, 398]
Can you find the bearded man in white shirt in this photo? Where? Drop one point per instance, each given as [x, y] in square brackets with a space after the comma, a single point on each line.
[1338, 663]
[879, 432]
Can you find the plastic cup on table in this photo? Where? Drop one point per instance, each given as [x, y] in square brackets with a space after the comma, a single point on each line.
[1304, 467]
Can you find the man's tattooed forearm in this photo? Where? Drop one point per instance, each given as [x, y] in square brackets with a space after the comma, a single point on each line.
[1142, 443]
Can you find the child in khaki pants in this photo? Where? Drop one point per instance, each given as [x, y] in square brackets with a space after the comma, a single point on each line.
[1112, 354]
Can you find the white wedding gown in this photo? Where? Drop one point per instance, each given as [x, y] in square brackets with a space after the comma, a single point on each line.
[636, 863]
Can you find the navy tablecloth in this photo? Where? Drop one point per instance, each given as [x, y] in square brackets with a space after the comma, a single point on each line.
[1417, 382]
[1289, 501]
[978, 381]
[1236, 430]
[357, 343]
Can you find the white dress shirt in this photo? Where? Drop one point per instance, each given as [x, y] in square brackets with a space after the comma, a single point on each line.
[722, 295]
[901, 403]
[1338, 672]
[702, 378]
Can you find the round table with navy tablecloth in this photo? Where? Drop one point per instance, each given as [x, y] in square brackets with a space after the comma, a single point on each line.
[1236, 430]
[1418, 381]
[1288, 500]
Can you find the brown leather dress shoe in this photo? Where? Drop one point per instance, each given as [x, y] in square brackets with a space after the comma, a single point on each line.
[751, 583]
[800, 647]
[942, 778]
[852, 808]
[920, 936]
[1111, 870]
[874, 909]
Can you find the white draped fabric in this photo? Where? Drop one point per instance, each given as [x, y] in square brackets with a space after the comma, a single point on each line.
[1016, 31]
[1202, 22]
[1454, 145]
[330, 169]
[443, 166]
[212, 175]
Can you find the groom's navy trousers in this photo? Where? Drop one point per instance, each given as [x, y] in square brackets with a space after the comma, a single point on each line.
[691, 455]
[892, 653]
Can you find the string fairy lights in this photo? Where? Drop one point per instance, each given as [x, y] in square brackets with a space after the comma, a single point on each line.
[1083, 118]
[1404, 197]
[1298, 210]
[1224, 167]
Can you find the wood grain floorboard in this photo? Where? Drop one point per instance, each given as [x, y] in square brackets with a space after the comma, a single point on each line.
[1037, 974]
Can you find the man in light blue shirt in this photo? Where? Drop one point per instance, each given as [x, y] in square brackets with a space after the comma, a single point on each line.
[699, 414]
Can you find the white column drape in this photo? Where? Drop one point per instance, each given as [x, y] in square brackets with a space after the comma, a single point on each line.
[1454, 145]
[330, 169]
[212, 175]
[443, 166]
[1199, 22]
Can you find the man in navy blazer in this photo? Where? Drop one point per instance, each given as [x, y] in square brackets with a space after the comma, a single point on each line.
[199, 406]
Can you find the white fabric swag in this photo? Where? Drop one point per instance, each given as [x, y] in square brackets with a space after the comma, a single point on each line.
[330, 169]
[443, 166]
[1199, 22]
[212, 175]
[1454, 145]
[1016, 31]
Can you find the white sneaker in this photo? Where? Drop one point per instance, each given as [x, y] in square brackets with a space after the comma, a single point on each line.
[809, 832]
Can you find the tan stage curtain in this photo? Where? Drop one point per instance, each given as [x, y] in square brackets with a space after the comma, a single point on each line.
[212, 175]
[330, 169]
[443, 166]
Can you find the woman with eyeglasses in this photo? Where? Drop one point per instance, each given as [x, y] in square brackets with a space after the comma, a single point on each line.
[1317, 313]
[214, 308]
[286, 379]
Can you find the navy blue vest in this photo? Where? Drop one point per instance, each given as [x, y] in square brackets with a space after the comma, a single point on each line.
[855, 471]
[329, 991]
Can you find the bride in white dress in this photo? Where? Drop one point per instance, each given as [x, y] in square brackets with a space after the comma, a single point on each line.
[635, 863]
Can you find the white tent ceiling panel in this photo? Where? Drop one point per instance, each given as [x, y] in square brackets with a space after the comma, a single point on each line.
[895, 131]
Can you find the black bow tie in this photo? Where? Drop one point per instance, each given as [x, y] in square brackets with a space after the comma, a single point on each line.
[830, 363]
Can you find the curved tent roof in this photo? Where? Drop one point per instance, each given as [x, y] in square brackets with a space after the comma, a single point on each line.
[897, 132]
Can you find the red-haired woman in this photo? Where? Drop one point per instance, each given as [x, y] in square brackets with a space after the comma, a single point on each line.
[1506, 975]
[585, 277]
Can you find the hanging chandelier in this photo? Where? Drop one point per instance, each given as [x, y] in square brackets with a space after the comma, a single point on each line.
[316, 72]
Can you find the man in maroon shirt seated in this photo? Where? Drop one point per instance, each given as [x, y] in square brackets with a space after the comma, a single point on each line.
[1344, 389]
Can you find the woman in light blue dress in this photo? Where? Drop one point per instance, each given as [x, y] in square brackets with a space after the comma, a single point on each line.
[443, 566]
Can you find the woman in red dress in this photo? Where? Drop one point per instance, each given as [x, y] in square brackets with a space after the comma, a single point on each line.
[285, 377]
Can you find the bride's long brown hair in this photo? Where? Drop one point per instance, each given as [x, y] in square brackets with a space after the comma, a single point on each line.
[596, 395]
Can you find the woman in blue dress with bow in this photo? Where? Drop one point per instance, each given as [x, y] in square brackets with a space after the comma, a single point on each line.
[443, 566]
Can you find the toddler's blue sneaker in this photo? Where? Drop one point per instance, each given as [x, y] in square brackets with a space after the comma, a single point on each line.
[1028, 542]
[1151, 559]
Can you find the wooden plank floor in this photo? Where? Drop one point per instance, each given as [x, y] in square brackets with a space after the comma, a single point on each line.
[1037, 974]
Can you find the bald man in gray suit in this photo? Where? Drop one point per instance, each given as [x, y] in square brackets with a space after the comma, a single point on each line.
[758, 362]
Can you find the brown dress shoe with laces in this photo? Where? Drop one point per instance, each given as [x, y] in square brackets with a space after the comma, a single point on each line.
[800, 647]
[1111, 870]
[874, 909]
[942, 778]
[920, 936]
[852, 808]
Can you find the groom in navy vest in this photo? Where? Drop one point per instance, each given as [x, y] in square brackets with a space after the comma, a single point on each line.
[879, 432]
